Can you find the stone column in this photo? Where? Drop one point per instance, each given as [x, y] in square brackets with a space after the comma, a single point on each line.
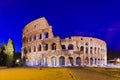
[43, 35]
[57, 61]
[93, 61]
[84, 55]
[49, 61]
[49, 47]
[74, 46]
[89, 54]
[50, 34]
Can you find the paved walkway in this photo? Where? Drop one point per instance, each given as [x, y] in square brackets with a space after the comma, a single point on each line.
[83, 74]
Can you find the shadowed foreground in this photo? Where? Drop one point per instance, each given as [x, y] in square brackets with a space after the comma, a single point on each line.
[35, 74]
[87, 74]
[54, 74]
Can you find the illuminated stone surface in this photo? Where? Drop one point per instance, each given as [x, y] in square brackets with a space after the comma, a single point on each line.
[42, 48]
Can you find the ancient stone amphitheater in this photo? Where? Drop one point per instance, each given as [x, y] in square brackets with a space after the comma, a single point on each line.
[41, 48]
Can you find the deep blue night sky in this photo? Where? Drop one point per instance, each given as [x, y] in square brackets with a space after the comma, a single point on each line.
[95, 18]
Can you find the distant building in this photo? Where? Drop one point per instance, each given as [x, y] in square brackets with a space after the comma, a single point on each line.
[114, 61]
[41, 47]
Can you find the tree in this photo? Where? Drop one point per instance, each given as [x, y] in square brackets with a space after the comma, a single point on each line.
[3, 56]
[9, 50]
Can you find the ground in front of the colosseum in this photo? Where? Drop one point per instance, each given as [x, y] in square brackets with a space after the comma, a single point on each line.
[59, 74]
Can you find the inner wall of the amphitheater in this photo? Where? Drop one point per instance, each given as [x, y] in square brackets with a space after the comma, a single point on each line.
[41, 48]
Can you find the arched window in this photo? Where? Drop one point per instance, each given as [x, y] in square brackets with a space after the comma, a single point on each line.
[34, 37]
[78, 61]
[62, 60]
[87, 60]
[25, 51]
[98, 61]
[26, 39]
[71, 61]
[91, 61]
[70, 47]
[53, 61]
[91, 50]
[95, 61]
[86, 49]
[46, 35]
[86, 44]
[81, 48]
[45, 46]
[54, 46]
[40, 37]
[30, 49]
[95, 50]
[34, 49]
[30, 39]
[98, 50]
[63, 47]
[45, 61]
[39, 48]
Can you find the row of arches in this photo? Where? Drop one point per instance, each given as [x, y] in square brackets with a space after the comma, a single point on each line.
[62, 61]
[41, 36]
[82, 48]
[94, 61]
[39, 48]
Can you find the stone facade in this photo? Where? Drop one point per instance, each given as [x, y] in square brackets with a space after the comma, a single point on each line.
[41, 47]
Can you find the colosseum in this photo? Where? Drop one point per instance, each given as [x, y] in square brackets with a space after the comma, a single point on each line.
[41, 48]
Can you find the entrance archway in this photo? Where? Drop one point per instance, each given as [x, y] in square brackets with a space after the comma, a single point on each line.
[61, 60]
[78, 61]
[91, 61]
[53, 61]
[71, 61]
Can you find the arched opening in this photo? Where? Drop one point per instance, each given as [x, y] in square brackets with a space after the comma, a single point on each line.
[86, 49]
[71, 61]
[46, 35]
[70, 47]
[63, 47]
[95, 50]
[78, 61]
[61, 61]
[45, 61]
[30, 39]
[81, 48]
[29, 49]
[39, 48]
[91, 48]
[98, 61]
[35, 37]
[40, 37]
[45, 47]
[25, 51]
[98, 50]
[26, 39]
[91, 61]
[34, 49]
[86, 61]
[95, 61]
[86, 44]
[53, 61]
[54, 46]
[101, 62]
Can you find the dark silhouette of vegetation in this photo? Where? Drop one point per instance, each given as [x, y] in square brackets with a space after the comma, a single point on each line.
[7, 54]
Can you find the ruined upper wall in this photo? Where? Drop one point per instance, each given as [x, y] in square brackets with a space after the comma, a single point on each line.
[38, 26]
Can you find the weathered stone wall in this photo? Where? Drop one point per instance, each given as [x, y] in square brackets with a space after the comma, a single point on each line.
[41, 47]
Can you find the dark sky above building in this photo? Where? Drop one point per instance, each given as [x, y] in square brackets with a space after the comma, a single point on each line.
[94, 18]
